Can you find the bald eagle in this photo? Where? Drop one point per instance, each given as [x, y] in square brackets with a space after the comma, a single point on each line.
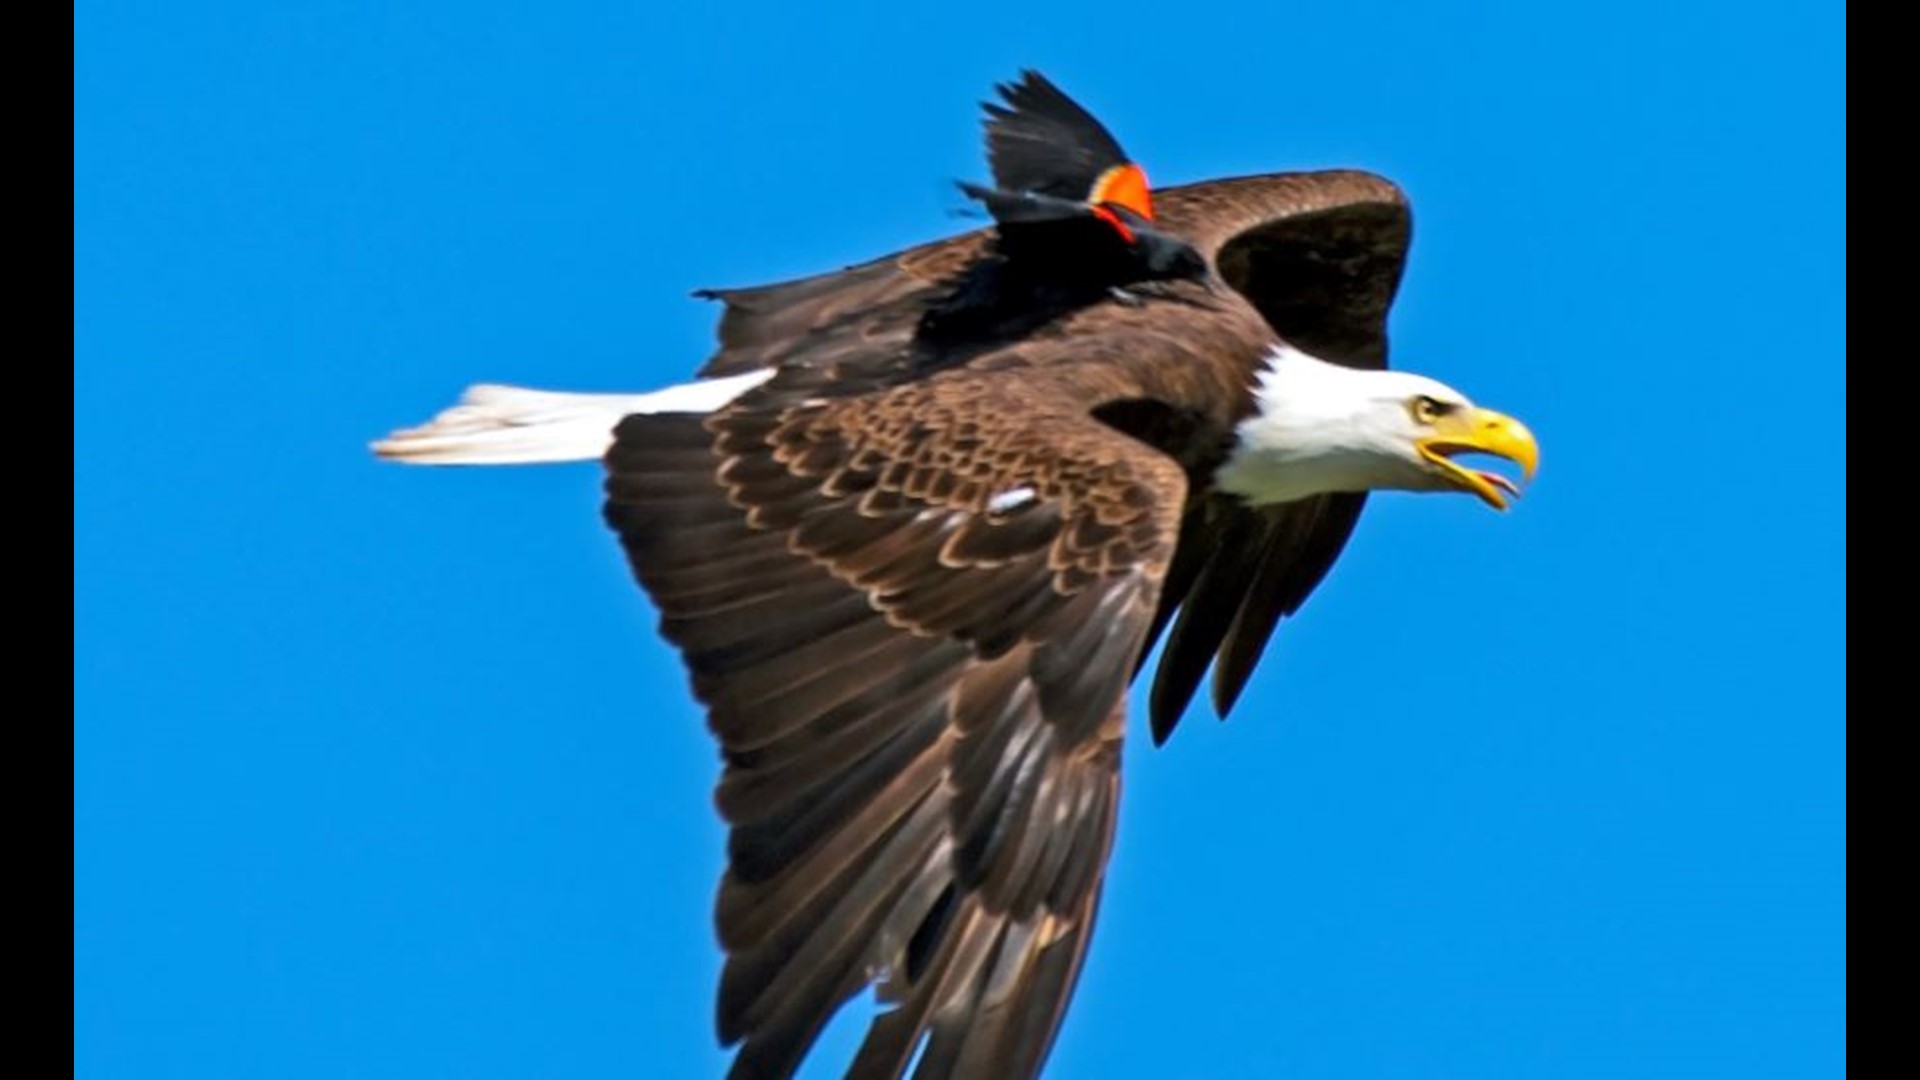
[916, 524]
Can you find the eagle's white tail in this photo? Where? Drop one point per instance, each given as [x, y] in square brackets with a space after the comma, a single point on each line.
[512, 425]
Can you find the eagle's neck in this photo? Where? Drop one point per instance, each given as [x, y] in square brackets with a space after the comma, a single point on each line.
[1317, 427]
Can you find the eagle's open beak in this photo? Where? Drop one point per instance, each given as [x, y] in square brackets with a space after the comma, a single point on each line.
[1481, 431]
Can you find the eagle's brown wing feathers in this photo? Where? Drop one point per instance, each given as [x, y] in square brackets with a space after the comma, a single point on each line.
[912, 617]
[852, 314]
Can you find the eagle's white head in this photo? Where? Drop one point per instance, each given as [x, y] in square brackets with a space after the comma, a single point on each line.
[1322, 427]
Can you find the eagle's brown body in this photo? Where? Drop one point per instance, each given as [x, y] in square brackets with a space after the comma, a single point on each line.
[912, 582]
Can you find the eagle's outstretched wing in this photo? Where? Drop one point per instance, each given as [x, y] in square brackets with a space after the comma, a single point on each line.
[912, 615]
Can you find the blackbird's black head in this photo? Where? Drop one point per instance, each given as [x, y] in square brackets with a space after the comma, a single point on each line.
[1166, 258]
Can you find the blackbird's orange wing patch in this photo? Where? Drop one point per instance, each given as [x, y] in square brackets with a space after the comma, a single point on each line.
[1124, 186]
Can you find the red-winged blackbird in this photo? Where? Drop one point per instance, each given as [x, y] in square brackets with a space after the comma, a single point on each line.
[1073, 222]
[1069, 207]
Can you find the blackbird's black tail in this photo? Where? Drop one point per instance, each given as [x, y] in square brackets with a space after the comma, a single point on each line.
[1021, 207]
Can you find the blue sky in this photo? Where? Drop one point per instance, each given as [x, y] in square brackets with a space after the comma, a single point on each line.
[383, 772]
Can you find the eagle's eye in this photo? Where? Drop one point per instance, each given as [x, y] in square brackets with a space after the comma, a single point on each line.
[1426, 410]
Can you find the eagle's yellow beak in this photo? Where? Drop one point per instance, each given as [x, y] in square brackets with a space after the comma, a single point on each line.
[1481, 431]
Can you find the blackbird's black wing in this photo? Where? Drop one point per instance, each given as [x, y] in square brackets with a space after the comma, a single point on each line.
[1042, 141]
